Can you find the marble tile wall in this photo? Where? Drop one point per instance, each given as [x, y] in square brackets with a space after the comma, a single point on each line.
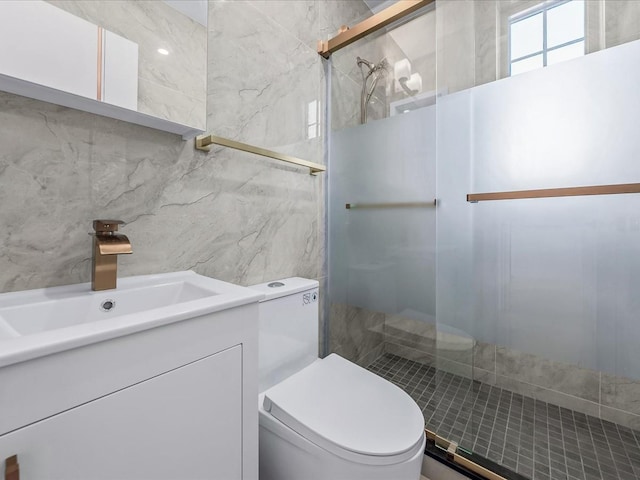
[621, 22]
[172, 87]
[225, 214]
[265, 101]
[268, 103]
[356, 334]
[610, 397]
[455, 31]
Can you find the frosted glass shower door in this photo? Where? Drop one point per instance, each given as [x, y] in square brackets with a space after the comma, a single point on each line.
[554, 276]
[547, 288]
[382, 248]
[457, 414]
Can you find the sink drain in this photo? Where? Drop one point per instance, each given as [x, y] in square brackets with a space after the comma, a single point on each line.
[108, 305]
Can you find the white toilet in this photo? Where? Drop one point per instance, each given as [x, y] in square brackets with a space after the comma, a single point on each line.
[326, 419]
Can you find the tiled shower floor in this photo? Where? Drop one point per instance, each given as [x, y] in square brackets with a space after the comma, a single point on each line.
[536, 439]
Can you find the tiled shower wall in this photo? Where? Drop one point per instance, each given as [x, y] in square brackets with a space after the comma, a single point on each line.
[356, 333]
[228, 215]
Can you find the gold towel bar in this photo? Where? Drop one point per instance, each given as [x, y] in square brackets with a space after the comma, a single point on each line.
[556, 192]
[351, 206]
[203, 142]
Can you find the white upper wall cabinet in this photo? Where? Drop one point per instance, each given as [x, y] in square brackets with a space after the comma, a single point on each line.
[100, 60]
[48, 46]
[120, 71]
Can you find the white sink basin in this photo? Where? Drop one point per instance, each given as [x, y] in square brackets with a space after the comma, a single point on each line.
[40, 322]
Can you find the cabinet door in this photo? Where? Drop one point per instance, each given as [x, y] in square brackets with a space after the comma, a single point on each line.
[120, 77]
[45, 45]
[185, 424]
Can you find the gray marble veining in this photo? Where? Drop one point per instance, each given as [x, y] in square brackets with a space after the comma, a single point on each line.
[300, 18]
[160, 101]
[345, 101]
[277, 82]
[355, 332]
[558, 376]
[622, 21]
[621, 393]
[226, 214]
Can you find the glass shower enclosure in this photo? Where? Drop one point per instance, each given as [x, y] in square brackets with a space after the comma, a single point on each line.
[511, 322]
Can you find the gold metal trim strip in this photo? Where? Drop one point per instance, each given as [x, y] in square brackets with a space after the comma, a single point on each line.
[556, 192]
[100, 64]
[380, 20]
[451, 449]
[12, 468]
[203, 143]
[352, 206]
[475, 468]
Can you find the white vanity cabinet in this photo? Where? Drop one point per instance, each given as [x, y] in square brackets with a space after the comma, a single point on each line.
[184, 424]
[174, 401]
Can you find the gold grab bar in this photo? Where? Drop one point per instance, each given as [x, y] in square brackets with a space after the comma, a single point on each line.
[204, 141]
[374, 23]
[351, 206]
[556, 192]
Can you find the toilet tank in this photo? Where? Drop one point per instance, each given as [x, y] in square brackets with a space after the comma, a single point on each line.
[288, 337]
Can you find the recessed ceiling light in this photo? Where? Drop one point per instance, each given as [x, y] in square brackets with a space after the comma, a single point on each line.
[163, 51]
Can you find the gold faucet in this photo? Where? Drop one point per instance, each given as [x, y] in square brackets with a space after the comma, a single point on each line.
[107, 245]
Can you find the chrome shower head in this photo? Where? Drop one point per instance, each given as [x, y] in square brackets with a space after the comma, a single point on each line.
[361, 61]
[373, 67]
[375, 70]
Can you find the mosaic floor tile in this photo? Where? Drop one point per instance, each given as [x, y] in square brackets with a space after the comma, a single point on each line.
[536, 439]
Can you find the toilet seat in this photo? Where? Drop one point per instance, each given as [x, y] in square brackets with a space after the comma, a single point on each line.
[348, 411]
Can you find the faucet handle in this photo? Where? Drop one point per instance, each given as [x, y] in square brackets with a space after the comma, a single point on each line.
[106, 225]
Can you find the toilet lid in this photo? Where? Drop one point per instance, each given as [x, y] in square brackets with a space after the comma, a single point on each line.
[338, 405]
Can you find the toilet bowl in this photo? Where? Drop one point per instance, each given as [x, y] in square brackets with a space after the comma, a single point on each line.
[326, 419]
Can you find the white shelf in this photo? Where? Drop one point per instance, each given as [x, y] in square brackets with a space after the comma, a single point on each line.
[58, 97]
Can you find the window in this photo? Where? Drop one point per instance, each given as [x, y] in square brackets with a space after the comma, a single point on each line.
[549, 33]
